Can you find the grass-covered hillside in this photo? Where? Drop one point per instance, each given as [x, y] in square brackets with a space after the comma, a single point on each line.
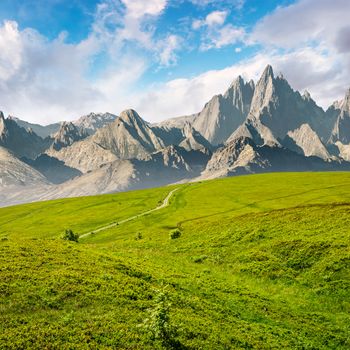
[262, 262]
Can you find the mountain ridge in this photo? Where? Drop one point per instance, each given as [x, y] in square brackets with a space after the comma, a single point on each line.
[252, 127]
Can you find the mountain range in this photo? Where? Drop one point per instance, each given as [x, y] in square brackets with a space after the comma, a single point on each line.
[253, 127]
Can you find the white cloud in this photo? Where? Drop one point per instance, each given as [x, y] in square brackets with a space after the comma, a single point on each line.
[226, 35]
[10, 48]
[215, 18]
[216, 34]
[45, 81]
[237, 4]
[167, 49]
[140, 8]
[303, 22]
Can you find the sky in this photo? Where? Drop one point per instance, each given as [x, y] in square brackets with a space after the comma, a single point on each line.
[61, 59]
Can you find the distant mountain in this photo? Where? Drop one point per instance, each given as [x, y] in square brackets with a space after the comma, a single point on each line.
[41, 130]
[92, 122]
[177, 123]
[22, 142]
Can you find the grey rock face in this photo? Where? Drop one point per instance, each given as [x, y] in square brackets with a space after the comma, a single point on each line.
[224, 113]
[193, 140]
[341, 129]
[15, 173]
[305, 141]
[67, 135]
[23, 143]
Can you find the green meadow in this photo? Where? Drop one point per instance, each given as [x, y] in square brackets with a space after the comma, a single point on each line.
[263, 262]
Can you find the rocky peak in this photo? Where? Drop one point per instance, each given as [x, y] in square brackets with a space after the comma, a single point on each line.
[94, 121]
[264, 92]
[67, 135]
[131, 117]
[267, 74]
[224, 113]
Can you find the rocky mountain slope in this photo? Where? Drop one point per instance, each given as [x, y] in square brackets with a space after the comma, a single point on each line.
[305, 141]
[15, 173]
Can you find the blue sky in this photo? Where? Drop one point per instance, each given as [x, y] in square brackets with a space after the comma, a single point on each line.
[61, 59]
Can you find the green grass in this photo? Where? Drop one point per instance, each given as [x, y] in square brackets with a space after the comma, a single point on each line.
[263, 262]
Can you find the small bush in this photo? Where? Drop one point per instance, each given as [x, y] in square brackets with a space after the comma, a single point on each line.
[138, 236]
[158, 324]
[69, 235]
[174, 234]
[199, 259]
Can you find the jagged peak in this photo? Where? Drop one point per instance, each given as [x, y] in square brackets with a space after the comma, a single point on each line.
[2, 117]
[268, 72]
[251, 84]
[130, 116]
[239, 81]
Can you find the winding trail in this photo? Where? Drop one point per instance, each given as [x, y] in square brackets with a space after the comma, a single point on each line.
[164, 204]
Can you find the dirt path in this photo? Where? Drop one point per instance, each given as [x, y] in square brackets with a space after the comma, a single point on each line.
[164, 204]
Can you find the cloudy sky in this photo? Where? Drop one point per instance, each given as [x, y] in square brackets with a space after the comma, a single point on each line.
[60, 59]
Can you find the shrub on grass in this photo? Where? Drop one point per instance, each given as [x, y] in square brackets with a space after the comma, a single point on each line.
[138, 236]
[158, 324]
[174, 234]
[69, 235]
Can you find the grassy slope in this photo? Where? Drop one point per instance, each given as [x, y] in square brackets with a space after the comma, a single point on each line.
[263, 262]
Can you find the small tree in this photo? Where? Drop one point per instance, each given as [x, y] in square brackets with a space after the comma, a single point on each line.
[158, 323]
[69, 235]
[174, 234]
